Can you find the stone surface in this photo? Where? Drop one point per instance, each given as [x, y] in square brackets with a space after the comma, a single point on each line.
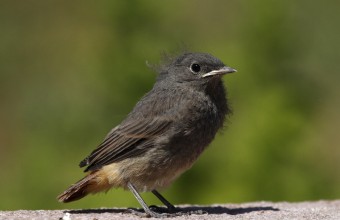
[255, 210]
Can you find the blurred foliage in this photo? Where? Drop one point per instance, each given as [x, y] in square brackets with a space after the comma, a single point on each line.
[72, 70]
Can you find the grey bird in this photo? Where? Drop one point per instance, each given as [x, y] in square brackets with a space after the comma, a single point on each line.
[163, 135]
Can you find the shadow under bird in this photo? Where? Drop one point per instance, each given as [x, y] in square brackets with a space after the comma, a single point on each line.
[163, 135]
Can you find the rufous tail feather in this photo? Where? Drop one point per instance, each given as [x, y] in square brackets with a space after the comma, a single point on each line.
[77, 190]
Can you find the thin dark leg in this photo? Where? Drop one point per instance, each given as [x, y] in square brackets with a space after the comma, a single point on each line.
[172, 209]
[142, 202]
[164, 201]
[140, 199]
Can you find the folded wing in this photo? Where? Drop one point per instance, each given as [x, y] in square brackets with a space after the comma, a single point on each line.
[130, 139]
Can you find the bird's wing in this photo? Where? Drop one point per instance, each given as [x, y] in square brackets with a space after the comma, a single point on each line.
[130, 139]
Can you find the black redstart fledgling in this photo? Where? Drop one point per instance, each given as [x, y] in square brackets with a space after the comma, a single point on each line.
[163, 135]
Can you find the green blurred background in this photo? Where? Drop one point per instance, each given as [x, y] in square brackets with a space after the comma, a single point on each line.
[71, 70]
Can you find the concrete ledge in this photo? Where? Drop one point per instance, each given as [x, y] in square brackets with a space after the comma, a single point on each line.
[255, 210]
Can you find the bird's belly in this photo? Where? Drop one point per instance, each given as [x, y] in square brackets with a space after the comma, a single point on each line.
[149, 172]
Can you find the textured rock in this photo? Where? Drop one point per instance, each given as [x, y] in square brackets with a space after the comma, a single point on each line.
[255, 210]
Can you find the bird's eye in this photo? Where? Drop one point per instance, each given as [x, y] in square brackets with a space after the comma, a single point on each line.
[195, 68]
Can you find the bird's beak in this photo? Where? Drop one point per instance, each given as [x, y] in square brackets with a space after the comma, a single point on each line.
[222, 71]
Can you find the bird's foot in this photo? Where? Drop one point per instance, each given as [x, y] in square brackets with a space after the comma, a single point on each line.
[169, 210]
[159, 212]
[163, 212]
[150, 213]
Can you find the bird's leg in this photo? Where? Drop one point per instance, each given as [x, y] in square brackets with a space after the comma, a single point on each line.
[147, 210]
[171, 208]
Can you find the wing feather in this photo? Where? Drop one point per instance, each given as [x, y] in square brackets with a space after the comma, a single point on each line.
[130, 139]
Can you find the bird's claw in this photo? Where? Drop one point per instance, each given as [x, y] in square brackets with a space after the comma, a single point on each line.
[159, 212]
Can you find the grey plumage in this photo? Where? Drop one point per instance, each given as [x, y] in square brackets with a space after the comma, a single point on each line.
[167, 129]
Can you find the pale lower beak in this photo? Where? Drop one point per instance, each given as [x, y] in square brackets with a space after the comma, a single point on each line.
[222, 71]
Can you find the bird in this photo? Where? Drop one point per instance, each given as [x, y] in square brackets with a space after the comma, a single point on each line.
[163, 135]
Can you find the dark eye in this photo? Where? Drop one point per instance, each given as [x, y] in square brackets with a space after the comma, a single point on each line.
[195, 68]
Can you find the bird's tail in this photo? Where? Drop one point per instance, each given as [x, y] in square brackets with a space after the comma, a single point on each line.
[92, 183]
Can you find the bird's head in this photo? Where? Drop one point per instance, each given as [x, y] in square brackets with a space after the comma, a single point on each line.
[194, 67]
